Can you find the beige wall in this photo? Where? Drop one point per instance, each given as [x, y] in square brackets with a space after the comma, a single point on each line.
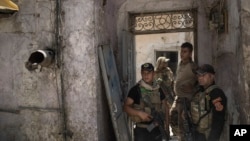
[147, 45]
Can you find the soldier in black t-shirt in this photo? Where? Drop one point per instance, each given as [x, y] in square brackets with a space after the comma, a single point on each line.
[138, 109]
[208, 106]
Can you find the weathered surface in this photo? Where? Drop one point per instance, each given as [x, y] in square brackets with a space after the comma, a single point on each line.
[244, 80]
[31, 102]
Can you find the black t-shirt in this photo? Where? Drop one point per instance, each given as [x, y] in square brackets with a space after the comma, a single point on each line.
[218, 103]
[134, 93]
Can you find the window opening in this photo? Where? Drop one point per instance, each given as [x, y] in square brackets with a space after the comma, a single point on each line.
[172, 55]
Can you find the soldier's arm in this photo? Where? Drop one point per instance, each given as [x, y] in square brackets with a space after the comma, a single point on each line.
[134, 112]
[218, 101]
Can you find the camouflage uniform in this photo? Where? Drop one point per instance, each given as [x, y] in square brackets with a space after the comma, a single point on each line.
[165, 79]
[208, 113]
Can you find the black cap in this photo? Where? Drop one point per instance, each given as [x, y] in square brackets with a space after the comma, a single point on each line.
[206, 68]
[147, 67]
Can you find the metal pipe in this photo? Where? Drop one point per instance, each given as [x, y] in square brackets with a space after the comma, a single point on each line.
[44, 58]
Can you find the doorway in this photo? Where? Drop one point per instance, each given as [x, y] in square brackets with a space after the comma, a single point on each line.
[148, 47]
[158, 33]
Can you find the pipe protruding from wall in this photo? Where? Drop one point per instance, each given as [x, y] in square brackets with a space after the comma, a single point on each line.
[43, 58]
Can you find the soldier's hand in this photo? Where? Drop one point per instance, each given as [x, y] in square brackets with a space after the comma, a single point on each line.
[145, 116]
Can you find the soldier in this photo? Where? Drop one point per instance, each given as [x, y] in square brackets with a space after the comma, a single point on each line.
[138, 109]
[208, 106]
[184, 89]
[164, 77]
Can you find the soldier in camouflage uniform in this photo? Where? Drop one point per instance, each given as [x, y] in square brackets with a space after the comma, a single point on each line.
[208, 106]
[164, 77]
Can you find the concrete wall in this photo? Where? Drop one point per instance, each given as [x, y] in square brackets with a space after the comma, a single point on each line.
[69, 95]
[80, 69]
[29, 100]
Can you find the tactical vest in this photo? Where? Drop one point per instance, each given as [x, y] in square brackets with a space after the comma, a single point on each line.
[164, 79]
[201, 110]
[153, 98]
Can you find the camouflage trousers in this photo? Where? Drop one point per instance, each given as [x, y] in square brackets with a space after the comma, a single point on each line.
[176, 119]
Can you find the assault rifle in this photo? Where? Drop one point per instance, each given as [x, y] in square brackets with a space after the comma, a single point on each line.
[158, 119]
[190, 132]
[187, 124]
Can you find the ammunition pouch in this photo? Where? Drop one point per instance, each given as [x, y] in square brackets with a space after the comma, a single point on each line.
[137, 119]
